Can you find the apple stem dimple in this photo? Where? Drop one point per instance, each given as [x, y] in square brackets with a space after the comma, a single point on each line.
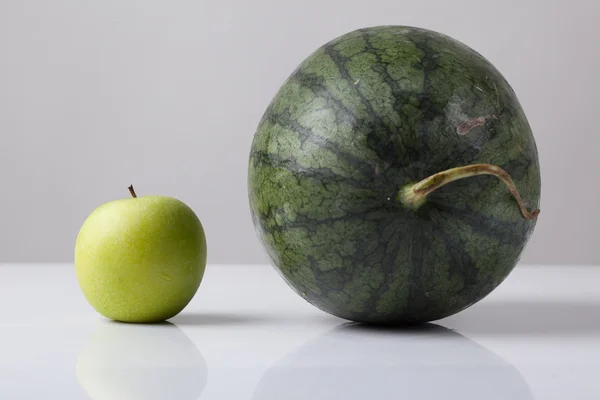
[132, 191]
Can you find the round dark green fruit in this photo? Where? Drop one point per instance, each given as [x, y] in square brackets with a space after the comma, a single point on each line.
[391, 177]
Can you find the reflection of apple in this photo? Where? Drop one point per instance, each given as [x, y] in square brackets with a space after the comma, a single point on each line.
[123, 361]
[357, 362]
[140, 259]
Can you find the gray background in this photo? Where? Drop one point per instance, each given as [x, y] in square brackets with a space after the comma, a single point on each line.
[95, 95]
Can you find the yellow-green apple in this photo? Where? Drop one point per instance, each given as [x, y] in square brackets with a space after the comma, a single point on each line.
[140, 259]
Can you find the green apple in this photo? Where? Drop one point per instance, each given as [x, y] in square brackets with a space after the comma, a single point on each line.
[140, 259]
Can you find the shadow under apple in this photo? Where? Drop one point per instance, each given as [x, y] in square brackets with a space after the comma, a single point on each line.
[133, 361]
[355, 361]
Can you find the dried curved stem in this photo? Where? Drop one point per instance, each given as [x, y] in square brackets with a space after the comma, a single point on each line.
[413, 196]
[132, 192]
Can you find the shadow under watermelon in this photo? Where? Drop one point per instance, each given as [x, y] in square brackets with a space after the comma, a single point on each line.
[528, 317]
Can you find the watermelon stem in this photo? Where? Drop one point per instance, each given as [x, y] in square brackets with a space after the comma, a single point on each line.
[413, 196]
[131, 191]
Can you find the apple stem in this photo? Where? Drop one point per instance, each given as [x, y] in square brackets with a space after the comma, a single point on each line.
[132, 191]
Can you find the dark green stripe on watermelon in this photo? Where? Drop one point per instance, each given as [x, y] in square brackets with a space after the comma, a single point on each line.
[363, 116]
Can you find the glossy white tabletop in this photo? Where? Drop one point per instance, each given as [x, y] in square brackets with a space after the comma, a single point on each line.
[246, 335]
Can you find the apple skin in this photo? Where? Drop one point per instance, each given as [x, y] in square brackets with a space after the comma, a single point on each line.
[140, 259]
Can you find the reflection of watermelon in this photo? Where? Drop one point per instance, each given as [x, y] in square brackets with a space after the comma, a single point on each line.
[336, 155]
[349, 363]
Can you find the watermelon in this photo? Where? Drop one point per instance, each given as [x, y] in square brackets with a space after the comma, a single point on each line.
[394, 177]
